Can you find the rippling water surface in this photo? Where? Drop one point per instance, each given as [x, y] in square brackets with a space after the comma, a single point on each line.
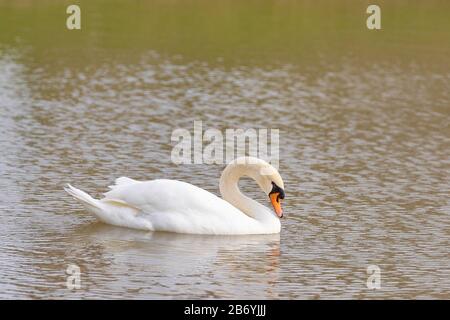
[364, 152]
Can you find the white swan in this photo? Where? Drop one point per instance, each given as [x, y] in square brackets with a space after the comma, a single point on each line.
[175, 206]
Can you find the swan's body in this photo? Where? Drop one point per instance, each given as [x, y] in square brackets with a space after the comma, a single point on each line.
[175, 206]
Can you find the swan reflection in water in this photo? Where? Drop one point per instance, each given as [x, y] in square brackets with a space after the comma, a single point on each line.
[163, 264]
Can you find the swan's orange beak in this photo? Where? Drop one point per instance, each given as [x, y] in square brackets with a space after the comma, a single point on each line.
[276, 203]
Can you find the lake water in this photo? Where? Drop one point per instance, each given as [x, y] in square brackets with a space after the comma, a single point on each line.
[364, 145]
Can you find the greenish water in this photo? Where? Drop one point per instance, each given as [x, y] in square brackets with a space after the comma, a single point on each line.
[250, 32]
[364, 144]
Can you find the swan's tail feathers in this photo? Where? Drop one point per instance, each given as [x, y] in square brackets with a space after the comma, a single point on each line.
[83, 197]
[112, 211]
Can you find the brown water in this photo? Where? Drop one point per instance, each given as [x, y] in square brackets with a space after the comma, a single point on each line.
[364, 146]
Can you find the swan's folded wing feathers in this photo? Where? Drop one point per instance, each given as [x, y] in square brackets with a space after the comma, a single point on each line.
[177, 206]
[121, 203]
[122, 181]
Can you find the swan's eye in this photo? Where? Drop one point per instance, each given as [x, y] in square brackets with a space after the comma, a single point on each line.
[277, 189]
[275, 195]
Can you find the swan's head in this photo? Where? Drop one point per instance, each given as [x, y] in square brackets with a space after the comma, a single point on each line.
[268, 179]
[273, 186]
[275, 196]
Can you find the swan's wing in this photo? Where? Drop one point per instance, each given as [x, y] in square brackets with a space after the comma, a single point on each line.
[171, 205]
[122, 181]
[163, 195]
[121, 204]
[172, 197]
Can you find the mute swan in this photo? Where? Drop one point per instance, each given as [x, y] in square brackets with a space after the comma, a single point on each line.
[175, 206]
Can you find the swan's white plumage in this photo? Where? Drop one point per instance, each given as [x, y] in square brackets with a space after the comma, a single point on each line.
[175, 206]
[122, 181]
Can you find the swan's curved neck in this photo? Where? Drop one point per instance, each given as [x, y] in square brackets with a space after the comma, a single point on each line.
[230, 191]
